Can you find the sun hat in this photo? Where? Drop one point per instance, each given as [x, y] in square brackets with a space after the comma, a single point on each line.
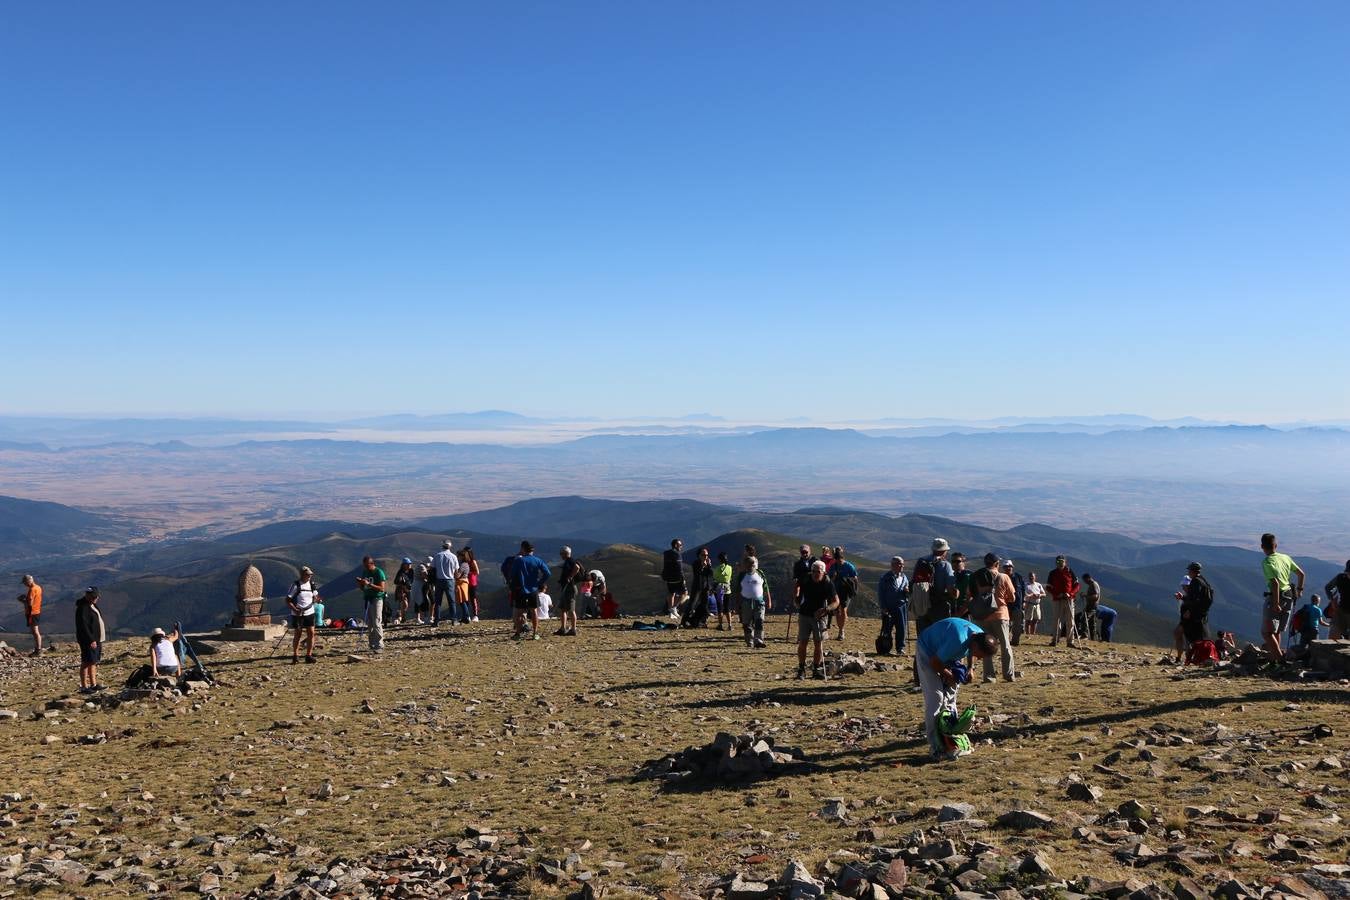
[158, 632]
[939, 545]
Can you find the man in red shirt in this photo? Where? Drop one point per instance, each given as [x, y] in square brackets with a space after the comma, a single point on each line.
[1063, 587]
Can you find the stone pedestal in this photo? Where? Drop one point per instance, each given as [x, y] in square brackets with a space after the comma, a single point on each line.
[252, 633]
[249, 603]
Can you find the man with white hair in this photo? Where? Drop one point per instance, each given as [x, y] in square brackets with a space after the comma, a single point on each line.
[817, 600]
[446, 565]
[571, 574]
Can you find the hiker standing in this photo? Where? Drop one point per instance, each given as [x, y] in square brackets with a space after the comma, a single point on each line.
[801, 573]
[403, 585]
[372, 592]
[992, 594]
[1017, 611]
[672, 573]
[722, 596]
[845, 578]
[1035, 594]
[462, 588]
[818, 600]
[1092, 598]
[447, 565]
[90, 635]
[932, 587]
[31, 598]
[570, 575]
[427, 572]
[1284, 585]
[961, 602]
[1196, 598]
[700, 589]
[893, 598]
[1338, 604]
[527, 575]
[755, 597]
[938, 656]
[473, 583]
[1063, 587]
[301, 599]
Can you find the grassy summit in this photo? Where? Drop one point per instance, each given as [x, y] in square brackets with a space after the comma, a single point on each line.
[281, 769]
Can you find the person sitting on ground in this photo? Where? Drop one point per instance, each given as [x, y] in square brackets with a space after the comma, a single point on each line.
[301, 599]
[163, 657]
[1196, 598]
[31, 599]
[1227, 644]
[545, 604]
[609, 607]
[1308, 622]
[754, 602]
[939, 650]
[1106, 623]
[90, 634]
[1338, 604]
[818, 600]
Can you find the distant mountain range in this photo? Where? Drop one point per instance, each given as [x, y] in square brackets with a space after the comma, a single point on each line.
[192, 580]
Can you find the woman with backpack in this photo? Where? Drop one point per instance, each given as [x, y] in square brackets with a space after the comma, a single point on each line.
[403, 585]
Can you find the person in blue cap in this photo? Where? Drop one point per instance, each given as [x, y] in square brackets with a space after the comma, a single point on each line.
[939, 652]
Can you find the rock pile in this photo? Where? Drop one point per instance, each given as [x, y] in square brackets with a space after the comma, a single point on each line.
[856, 663]
[728, 757]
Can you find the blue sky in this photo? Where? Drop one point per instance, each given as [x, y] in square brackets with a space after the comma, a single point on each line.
[751, 209]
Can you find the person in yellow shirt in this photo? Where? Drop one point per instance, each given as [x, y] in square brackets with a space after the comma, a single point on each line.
[1284, 585]
[32, 610]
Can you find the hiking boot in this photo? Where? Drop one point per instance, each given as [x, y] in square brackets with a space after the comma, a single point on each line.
[801, 673]
[749, 643]
[818, 673]
[294, 660]
[561, 632]
[760, 645]
[516, 636]
[534, 635]
[310, 659]
[988, 679]
[571, 632]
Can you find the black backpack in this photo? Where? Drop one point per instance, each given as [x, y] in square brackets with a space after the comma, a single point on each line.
[984, 603]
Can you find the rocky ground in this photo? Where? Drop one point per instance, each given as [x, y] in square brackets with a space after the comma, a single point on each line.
[621, 763]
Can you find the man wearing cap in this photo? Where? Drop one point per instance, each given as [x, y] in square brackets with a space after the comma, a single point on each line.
[1017, 611]
[991, 595]
[526, 575]
[1063, 588]
[301, 599]
[893, 598]
[372, 592]
[31, 598]
[942, 593]
[446, 564]
[1196, 598]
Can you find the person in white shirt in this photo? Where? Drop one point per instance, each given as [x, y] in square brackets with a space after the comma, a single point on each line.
[545, 605]
[163, 657]
[301, 599]
[1032, 603]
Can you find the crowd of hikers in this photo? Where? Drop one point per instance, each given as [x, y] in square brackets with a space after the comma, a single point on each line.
[958, 614]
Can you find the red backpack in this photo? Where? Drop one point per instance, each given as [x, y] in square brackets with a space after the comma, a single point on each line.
[1203, 653]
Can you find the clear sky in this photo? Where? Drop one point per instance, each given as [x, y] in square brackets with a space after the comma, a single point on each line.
[750, 209]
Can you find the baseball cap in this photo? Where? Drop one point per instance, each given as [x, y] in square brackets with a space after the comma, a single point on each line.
[1194, 567]
[408, 560]
[939, 545]
[1006, 564]
[991, 559]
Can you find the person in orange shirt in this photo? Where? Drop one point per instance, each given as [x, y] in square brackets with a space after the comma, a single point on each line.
[32, 609]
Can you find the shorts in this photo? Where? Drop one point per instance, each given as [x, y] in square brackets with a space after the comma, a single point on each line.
[567, 603]
[1274, 621]
[1033, 613]
[843, 602]
[305, 621]
[91, 656]
[810, 628]
[33, 620]
[523, 601]
[674, 587]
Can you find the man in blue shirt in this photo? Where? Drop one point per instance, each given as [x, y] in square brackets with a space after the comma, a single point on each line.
[943, 643]
[845, 577]
[893, 598]
[1106, 622]
[526, 574]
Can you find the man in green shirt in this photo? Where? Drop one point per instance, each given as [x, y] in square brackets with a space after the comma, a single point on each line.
[1284, 585]
[372, 591]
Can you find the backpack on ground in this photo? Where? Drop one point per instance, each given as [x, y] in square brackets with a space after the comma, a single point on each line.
[1202, 653]
[984, 603]
[884, 644]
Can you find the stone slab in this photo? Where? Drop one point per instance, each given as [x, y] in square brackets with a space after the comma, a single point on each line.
[255, 633]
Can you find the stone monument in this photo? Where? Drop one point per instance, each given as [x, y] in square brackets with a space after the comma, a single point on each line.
[251, 621]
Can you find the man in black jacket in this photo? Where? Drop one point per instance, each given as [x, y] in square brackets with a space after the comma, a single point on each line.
[89, 634]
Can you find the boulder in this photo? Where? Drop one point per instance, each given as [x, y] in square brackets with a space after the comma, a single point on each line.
[1024, 820]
